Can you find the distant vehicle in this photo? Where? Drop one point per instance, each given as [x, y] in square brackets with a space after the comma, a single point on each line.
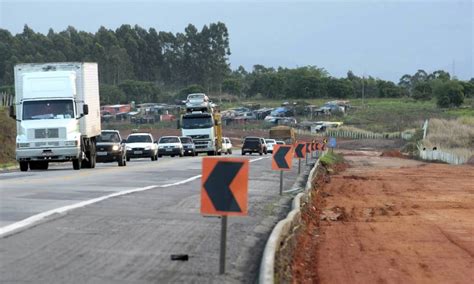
[189, 148]
[110, 148]
[270, 143]
[253, 145]
[285, 133]
[57, 114]
[247, 116]
[279, 142]
[141, 145]
[198, 102]
[170, 146]
[226, 146]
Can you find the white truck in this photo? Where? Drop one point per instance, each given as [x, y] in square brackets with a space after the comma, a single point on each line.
[57, 113]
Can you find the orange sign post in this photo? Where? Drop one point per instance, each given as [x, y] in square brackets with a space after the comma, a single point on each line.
[282, 160]
[224, 192]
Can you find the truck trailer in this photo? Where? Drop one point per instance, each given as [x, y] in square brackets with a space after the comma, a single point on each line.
[57, 113]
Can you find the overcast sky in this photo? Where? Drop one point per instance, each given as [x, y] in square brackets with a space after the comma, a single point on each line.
[383, 39]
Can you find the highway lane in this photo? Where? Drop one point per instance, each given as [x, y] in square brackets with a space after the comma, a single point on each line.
[23, 194]
[129, 239]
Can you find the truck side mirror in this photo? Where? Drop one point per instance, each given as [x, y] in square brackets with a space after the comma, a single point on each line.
[12, 112]
[85, 109]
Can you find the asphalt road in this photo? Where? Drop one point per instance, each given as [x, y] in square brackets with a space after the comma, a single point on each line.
[129, 238]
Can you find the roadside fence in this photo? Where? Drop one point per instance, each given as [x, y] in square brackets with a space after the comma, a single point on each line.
[439, 155]
[357, 134]
[6, 99]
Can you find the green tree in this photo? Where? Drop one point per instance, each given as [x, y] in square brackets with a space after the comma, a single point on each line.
[448, 94]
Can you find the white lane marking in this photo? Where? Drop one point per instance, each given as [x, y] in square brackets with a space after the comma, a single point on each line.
[38, 217]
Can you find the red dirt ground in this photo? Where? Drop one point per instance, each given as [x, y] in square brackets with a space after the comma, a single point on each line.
[389, 220]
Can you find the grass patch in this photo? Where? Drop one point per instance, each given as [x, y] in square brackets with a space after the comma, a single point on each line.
[331, 159]
[456, 136]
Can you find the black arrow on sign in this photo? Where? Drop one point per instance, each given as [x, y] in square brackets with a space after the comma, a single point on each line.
[280, 157]
[299, 150]
[218, 183]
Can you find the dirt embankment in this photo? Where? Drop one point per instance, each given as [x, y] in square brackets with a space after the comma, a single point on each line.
[7, 137]
[389, 220]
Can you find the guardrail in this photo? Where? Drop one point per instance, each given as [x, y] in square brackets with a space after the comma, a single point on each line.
[357, 134]
[283, 229]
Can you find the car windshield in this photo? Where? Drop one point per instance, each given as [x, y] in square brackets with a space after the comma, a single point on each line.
[108, 137]
[139, 139]
[186, 140]
[197, 122]
[270, 141]
[169, 140]
[51, 109]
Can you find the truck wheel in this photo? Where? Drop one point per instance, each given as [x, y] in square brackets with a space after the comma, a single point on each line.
[23, 166]
[128, 159]
[159, 156]
[243, 153]
[261, 153]
[76, 164]
[43, 165]
[230, 151]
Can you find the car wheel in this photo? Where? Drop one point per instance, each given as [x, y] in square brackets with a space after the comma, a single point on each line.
[261, 153]
[172, 156]
[121, 162]
[159, 156]
[128, 159]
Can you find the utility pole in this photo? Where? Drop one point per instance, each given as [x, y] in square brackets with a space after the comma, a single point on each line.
[363, 89]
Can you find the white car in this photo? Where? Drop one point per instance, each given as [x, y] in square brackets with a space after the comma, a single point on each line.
[226, 146]
[141, 145]
[270, 143]
[197, 102]
[279, 142]
[170, 146]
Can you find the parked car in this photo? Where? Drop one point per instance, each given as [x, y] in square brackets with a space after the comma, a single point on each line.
[170, 146]
[141, 145]
[110, 148]
[189, 148]
[279, 142]
[269, 143]
[226, 146]
[253, 145]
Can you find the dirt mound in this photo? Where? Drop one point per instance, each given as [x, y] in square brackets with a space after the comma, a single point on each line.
[393, 154]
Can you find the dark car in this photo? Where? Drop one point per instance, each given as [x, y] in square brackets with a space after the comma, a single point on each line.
[110, 148]
[253, 145]
[189, 148]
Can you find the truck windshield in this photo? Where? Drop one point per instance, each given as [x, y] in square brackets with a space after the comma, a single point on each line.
[52, 109]
[197, 122]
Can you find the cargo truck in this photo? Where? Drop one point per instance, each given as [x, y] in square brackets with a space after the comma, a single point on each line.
[57, 114]
[204, 126]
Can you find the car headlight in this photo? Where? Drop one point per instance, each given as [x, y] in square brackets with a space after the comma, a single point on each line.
[115, 148]
[147, 147]
[128, 148]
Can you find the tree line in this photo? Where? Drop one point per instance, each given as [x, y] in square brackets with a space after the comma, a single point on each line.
[142, 65]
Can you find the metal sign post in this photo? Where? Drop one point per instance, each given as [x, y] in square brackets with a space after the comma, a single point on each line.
[223, 244]
[281, 182]
[299, 166]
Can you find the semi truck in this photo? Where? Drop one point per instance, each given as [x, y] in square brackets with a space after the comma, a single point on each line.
[57, 113]
[204, 126]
